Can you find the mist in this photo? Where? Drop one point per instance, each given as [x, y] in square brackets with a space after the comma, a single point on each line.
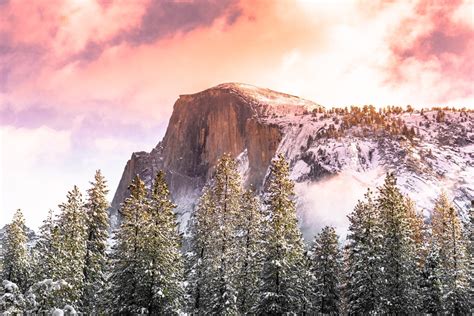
[329, 201]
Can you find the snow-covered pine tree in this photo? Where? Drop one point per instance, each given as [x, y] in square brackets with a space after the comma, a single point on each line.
[72, 224]
[363, 255]
[96, 243]
[215, 261]
[470, 237]
[251, 239]
[48, 290]
[431, 288]
[326, 266]
[46, 249]
[16, 264]
[127, 266]
[417, 248]
[46, 295]
[307, 307]
[12, 301]
[282, 281]
[226, 190]
[197, 272]
[448, 236]
[161, 250]
[399, 289]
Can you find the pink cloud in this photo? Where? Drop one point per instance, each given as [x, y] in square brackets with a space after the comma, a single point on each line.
[434, 49]
[129, 60]
[65, 27]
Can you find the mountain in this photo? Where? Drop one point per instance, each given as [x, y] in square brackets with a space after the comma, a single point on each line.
[335, 154]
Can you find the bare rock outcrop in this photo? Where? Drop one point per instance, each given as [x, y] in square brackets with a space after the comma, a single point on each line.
[229, 118]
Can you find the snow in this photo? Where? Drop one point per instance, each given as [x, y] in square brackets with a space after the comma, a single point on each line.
[57, 312]
[243, 164]
[10, 287]
[299, 169]
[70, 310]
[269, 102]
[357, 157]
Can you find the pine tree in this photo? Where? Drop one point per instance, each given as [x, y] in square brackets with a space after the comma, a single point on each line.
[307, 307]
[400, 288]
[46, 295]
[45, 251]
[282, 285]
[127, 266]
[164, 276]
[326, 259]
[431, 288]
[12, 301]
[197, 272]
[72, 224]
[364, 246]
[221, 223]
[417, 249]
[96, 243]
[470, 238]
[227, 193]
[252, 245]
[15, 258]
[448, 236]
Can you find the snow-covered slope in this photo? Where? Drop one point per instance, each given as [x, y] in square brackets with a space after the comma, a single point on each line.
[335, 154]
[438, 156]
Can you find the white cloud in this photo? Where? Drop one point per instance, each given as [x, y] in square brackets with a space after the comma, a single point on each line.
[39, 166]
[30, 160]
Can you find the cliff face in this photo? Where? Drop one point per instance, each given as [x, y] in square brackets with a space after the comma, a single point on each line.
[224, 119]
[206, 125]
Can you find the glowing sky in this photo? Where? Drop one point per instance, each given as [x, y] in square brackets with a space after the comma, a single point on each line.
[83, 83]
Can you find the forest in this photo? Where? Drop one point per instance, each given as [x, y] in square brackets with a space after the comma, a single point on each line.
[242, 253]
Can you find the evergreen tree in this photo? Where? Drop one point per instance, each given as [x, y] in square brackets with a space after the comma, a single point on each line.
[252, 247]
[448, 236]
[46, 263]
[326, 259]
[470, 238]
[197, 271]
[164, 275]
[307, 297]
[400, 289]
[417, 249]
[15, 258]
[431, 288]
[220, 221]
[42, 263]
[363, 255]
[72, 224]
[12, 301]
[46, 295]
[96, 243]
[282, 282]
[127, 266]
[226, 189]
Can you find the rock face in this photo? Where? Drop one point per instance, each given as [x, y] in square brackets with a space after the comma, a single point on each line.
[334, 155]
[205, 125]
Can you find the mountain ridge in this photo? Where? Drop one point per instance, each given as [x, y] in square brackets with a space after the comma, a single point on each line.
[427, 149]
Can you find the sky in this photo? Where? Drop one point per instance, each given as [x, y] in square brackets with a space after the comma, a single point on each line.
[84, 83]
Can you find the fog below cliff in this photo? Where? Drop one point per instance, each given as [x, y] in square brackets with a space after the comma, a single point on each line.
[329, 201]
